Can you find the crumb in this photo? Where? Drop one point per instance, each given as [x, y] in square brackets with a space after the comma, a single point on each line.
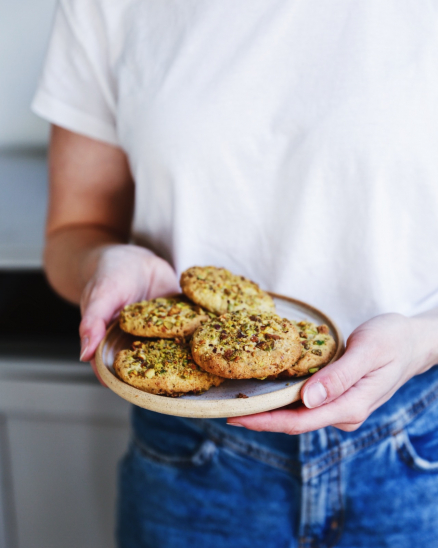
[240, 395]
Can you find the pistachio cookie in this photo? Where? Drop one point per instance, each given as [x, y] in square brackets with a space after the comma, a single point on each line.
[318, 348]
[163, 366]
[165, 317]
[220, 291]
[241, 345]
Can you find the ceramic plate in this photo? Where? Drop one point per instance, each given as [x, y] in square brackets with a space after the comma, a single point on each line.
[224, 400]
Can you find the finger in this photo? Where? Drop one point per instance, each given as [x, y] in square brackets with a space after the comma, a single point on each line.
[297, 421]
[335, 379]
[103, 303]
[349, 410]
[347, 427]
[92, 330]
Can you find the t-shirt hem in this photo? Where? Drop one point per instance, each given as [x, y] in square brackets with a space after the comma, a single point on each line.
[68, 117]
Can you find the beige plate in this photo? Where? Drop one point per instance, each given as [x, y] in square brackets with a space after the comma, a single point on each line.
[221, 401]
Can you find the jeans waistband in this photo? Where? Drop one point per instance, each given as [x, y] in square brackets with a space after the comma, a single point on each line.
[317, 451]
[309, 454]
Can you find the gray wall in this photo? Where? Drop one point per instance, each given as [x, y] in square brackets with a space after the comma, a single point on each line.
[24, 30]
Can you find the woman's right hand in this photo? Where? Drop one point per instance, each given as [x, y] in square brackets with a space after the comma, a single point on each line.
[123, 274]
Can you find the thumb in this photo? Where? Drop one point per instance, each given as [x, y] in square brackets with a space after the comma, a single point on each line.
[162, 279]
[336, 378]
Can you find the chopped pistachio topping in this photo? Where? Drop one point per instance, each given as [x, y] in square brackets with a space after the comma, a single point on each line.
[157, 357]
[317, 352]
[236, 333]
[311, 335]
[235, 292]
[167, 312]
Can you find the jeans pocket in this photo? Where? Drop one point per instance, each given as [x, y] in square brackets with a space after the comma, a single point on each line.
[420, 452]
[202, 455]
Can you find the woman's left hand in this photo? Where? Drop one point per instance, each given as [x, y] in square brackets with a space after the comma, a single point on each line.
[381, 355]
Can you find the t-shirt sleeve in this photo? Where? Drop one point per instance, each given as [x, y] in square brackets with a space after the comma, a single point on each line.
[76, 89]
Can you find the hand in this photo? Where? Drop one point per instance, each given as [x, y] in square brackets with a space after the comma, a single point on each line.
[381, 355]
[122, 274]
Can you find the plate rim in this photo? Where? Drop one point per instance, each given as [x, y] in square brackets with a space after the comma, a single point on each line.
[213, 408]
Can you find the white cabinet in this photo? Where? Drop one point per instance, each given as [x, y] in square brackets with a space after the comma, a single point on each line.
[61, 437]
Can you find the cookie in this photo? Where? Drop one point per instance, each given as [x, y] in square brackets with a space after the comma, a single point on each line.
[164, 367]
[318, 348]
[220, 291]
[165, 317]
[241, 345]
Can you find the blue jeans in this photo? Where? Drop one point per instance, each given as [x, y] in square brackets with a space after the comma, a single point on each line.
[199, 483]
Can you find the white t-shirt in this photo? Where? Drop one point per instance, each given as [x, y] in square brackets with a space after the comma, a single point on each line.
[294, 142]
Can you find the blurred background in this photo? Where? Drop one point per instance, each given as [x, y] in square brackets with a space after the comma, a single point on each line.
[61, 433]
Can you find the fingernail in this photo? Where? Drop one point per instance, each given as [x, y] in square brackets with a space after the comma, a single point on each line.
[234, 424]
[315, 395]
[84, 347]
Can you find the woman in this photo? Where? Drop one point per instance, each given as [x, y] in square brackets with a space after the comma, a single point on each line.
[294, 143]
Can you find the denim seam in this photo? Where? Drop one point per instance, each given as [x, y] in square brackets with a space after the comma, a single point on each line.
[350, 447]
[333, 536]
[251, 450]
[201, 456]
[339, 530]
[308, 538]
